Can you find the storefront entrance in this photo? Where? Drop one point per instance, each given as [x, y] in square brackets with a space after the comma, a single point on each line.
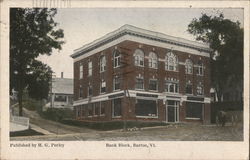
[172, 111]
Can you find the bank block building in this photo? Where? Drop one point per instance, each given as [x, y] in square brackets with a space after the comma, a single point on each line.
[137, 74]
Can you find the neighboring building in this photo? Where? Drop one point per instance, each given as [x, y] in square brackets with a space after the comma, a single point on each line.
[136, 74]
[62, 93]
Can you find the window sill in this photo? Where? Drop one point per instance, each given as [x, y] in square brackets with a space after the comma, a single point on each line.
[102, 93]
[117, 67]
[139, 66]
[171, 70]
[116, 90]
[189, 73]
[199, 75]
[146, 116]
[190, 118]
[152, 67]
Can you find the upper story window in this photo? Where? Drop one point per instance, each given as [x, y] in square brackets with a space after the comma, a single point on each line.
[103, 86]
[189, 88]
[171, 62]
[139, 83]
[80, 92]
[153, 84]
[139, 57]
[81, 71]
[102, 63]
[152, 60]
[117, 58]
[199, 89]
[90, 68]
[172, 86]
[200, 68]
[90, 90]
[189, 67]
[117, 83]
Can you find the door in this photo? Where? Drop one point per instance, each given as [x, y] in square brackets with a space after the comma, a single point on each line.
[172, 111]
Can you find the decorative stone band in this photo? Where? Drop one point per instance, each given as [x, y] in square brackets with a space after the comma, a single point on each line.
[143, 95]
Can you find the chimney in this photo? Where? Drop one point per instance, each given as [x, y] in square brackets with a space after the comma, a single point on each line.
[61, 74]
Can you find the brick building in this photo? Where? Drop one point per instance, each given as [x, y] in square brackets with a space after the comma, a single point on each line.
[136, 74]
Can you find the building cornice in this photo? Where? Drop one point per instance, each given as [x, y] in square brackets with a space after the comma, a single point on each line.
[143, 34]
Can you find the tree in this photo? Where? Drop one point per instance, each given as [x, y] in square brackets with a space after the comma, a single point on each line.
[33, 32]
[226, 39]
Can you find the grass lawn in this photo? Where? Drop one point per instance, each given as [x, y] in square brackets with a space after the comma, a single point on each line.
[29, 132]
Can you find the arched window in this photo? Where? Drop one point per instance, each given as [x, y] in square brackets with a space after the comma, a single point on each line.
[139, 57]
[189, 66]
[152, 60]
[200, 68]
[171, 62]
[117, 58]
[102, 63]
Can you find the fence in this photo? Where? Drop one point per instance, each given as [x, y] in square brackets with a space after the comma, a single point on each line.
[20, 120]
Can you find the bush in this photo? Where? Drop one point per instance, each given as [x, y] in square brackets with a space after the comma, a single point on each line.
[57, 114]
[112, 125]
[32, 104]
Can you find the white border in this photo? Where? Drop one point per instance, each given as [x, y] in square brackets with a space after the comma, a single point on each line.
[97, 150]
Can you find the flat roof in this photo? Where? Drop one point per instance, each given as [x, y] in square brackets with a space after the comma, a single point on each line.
[142, 33]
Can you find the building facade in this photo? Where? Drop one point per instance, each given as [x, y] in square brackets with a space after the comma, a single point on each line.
[61, 94]
[136, 74]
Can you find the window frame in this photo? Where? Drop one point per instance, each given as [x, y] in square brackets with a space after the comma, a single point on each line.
[139, 57]
[103, 81]
[189, 66]
[136, 84]
[103, 63]
[157, 85]
[189, 84]
[116, 59]
[153, 60]
[90, 88]
[200, 68]
[168, 85]
[114, 83]
[81, 71]
[90, 68]
[169, 56]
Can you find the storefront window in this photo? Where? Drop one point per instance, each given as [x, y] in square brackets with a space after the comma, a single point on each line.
[146, 108]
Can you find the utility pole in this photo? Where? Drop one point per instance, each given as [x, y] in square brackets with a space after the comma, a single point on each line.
[125, 61]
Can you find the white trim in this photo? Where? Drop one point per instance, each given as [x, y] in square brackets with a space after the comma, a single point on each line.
[193, 118]
[145, 33]
[163, 96]
[140, 40]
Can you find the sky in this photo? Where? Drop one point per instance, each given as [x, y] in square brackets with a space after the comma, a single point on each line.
[84, 25]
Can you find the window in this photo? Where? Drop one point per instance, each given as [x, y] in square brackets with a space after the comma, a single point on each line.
[171, 62]
[60, 98]
[117, 59]
[189, 66]
[102, 63]
[139, 83]
[96, 109]
[103, 86]
[102, 108]
[200, 68]
[89, 68]
[146, 108]
[90, 90]
[153, 84]
[80, 92]
[152, 61]
[189, 88]
[90, 109]
[193, 110]
[82, 111]
[139, 57]
[200, 89]
[78, 112]
[172, 86]
[117, 83]
[117, 107]
[81, 71]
